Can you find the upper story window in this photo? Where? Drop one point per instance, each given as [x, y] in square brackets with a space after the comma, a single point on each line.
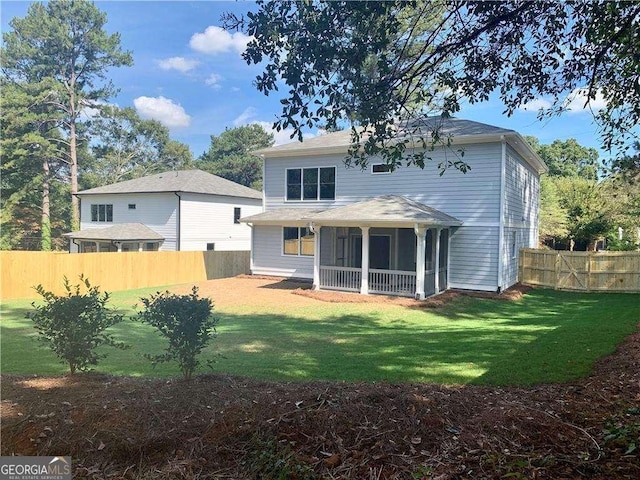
[316, 183]
[380, 168]
[236, 215]
[132, 206]
[101, 212]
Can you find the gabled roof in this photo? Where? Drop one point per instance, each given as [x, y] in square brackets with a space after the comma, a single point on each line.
[188, 181]
[123, 232]
[383, 210]
[459, 130]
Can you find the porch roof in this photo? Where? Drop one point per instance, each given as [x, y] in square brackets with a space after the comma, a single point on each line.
[383, 210]
[387, 209]
[282, 215]
[121, 232]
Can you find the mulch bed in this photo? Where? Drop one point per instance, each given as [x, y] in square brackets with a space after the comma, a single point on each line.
[220, 426]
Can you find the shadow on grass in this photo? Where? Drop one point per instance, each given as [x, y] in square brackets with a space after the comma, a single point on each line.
[545, 337]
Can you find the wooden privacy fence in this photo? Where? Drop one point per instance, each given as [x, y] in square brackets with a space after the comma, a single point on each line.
[20, 271]
[584, 271]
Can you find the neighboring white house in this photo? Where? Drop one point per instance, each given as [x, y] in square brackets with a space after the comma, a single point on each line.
[177, 210]
[409, 232]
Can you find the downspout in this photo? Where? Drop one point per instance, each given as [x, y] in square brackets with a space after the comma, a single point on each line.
[503, 166]
[178, 220]
[76, 244]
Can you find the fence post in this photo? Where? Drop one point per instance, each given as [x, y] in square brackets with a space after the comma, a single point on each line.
[557, 272]
[589, 258]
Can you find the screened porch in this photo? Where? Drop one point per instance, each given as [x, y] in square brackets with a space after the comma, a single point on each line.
[391, 264]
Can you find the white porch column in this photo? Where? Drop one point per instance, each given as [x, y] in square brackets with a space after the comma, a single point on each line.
[316, 256]
[364, 284]
[436, 280]
[119, 246]
[139, 246]
[421, 243]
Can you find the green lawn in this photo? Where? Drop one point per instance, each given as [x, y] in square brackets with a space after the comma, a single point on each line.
[547, 336]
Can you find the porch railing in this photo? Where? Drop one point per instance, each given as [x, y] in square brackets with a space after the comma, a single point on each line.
[392, 282]
[340, 278]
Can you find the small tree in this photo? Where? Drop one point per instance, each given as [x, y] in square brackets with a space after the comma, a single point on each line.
[185, 321]
[73, 325]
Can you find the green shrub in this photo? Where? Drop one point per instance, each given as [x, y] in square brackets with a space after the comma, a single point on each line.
[185, 321]
[73, 325]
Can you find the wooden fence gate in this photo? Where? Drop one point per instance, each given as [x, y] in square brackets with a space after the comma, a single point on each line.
[581, 271]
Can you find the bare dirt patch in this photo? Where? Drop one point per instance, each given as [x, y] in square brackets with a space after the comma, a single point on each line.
[221, 426]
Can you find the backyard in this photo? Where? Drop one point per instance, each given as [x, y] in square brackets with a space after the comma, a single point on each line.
[308, 384]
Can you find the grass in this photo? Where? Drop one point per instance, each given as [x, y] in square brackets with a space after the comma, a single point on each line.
[547, 336]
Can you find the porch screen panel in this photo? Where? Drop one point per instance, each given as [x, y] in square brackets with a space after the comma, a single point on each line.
[310, 183]
[294, 178]
[429, 263]
[290, 237]
[328, 183]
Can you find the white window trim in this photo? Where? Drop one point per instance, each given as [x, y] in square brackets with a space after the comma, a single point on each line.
[317, 199]
[388, 172]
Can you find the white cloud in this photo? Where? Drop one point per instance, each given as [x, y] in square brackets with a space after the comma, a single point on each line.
[245, 117]
[180, 64]
[576, 100]
[216, 40]
[162, 109]
[213, 81]
[535, 105]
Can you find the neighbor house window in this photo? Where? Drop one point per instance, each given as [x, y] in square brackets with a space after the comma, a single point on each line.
[101, 212]
[380, 168]
[211, 246]
[298, 241]
[311, 183]
[132, 206]
[236, 215]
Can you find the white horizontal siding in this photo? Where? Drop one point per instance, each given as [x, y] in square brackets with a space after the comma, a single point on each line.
[269, 260]
[522, 197]
[473, 259]
[158, 211]
[470, 197]
[209, 219]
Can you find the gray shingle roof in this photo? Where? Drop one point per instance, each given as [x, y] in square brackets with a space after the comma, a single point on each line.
[123, 232]
[456, 127]
[282, 215]
[188, 181]
[386, 209]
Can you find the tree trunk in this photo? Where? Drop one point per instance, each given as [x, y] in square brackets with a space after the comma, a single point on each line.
[75, 210]
[45, 227]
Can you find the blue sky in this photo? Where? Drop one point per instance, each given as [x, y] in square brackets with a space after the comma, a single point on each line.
[188, 74]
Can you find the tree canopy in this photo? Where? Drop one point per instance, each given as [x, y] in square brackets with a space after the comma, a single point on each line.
[125, 146]
[64, 42]
[229, 155]
[393, 68]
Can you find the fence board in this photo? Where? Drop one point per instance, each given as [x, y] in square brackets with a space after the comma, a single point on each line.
[20, 271]
[583, 271]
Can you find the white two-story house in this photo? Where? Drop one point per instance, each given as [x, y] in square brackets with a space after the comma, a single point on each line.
[408, 232]
[177, 210]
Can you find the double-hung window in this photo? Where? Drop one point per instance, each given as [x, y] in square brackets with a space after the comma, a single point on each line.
[101, 212]
[297, 241]
[316, 183]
